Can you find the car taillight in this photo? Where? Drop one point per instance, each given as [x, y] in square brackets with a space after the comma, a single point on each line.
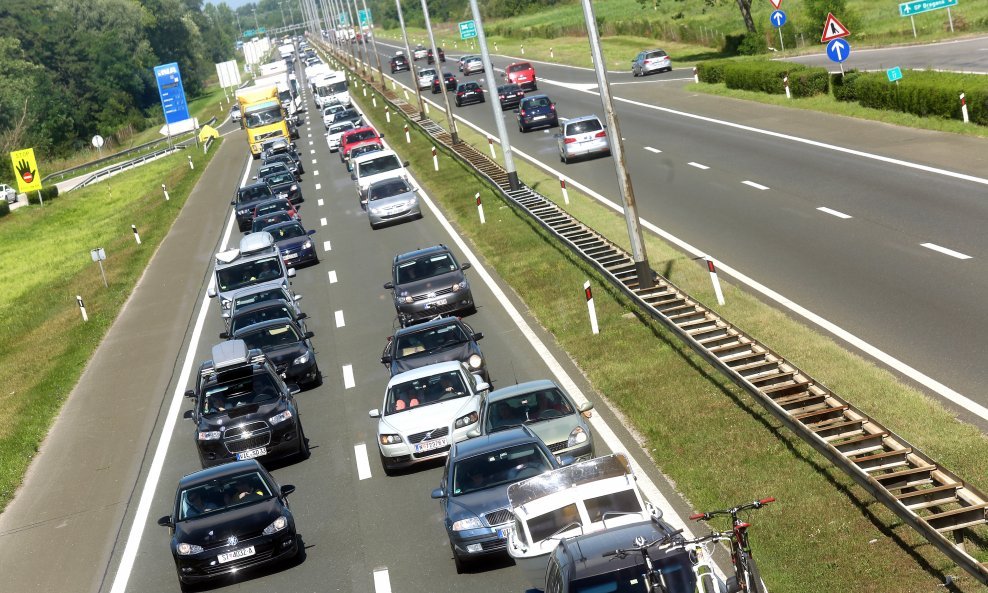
[521, 112]
[569, 140]
[552, 107]
[459, 93]
[600, 134]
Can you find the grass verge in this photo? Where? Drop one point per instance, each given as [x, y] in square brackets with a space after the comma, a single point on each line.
[45, 263]
[711, 439]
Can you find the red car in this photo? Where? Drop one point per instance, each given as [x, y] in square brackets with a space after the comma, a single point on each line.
[522, 74]
[275, 205]
[357, 137]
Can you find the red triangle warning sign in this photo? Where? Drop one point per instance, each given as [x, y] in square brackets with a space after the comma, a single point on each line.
[776, 3]
[832, 29]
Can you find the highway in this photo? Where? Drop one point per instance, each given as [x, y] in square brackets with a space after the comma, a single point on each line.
[877, 230]
[962, 55]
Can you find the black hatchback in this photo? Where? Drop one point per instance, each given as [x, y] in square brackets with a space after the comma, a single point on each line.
[450, 83]
[248, 197]
[510, 95]
[469, 92]
[399, 64]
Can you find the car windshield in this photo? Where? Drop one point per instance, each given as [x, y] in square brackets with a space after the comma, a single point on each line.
[424, 267]
[332, 109]
[526, 408]
[269, 219]
[381, 164]
[335, 88]
[253, 192]
[508, 88]
[275, 311]
[340, 128]
[497, 468]
[471, 86]
[519, 68]
[279, 158]
[250, 272]
[363, 135]
[424, 391]
[259, 388]
[264, 117]
[279, 178]
[268, 170]
[387, 189]
[221, 494]
[582, 127]
[430, 340]
[271, 337]
[427, 72]
[346, 114]
[288, 231]
[279, 206]
[274, 294]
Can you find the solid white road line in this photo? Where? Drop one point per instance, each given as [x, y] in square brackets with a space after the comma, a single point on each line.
[171, 418]
[945, 251]
[326, 246]
[755, 185]
[697, 165]
[382, 582]
[834, 212]
[363, 465]
[655, 150]
[332, 277]
[339, 318]
[322, 222]
[319, 187]
[348, 382]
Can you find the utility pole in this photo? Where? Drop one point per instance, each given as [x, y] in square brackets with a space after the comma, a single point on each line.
[642, 269]
[356, 26]
[291, 12]
[502, 131]
[256, 24]
[281, 6]
[439, 72]
[370, 30]
[411, 62]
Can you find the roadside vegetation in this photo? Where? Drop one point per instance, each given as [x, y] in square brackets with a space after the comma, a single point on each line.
[45, 263]
[716, 444]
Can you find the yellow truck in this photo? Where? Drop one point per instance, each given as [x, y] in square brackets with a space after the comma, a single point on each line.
[262, 116]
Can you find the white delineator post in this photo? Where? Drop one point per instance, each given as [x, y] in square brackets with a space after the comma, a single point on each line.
[715, 281]
[562, 184]
[164, 189]
[191, 166]
[964, 109]
[696, 75]
[406, 94]
[387, 113]
[374, 102]
[365, 90]
[785, 81]
[137, 237]
[490, 143]
[591, 308]
[435, 159]
[480, 208]
[552, 54]
[82, 307]
[408, 138]
[426, 108]
[523, 50]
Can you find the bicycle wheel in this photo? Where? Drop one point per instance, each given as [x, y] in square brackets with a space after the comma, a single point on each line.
[750, 580]
[706, 584]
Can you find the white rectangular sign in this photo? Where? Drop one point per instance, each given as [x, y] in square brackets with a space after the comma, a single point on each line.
[228, 74]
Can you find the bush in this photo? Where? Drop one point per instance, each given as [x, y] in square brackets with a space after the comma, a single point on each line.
[752, 44]
[732, 43]
[843, 85]
[920, 92]
[4, 208]
[47, 194]
[767, 77]
[712, 71]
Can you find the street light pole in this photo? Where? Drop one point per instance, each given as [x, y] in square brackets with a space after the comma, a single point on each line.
[256, 24]
[439, 72]
[356, 24]
[411, 61]
[502, 131]
[370, 30]
[642, 269]
[281, 6]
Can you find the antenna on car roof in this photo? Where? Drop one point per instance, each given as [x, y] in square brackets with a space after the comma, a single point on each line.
[513, 371]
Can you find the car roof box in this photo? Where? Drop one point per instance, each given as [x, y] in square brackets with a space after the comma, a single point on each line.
[256, 242]
[230, 353]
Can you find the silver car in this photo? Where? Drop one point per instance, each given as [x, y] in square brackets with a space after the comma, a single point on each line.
[425, 77]
[653, 60]
[582, 136]
[391, 200]
[472, 66]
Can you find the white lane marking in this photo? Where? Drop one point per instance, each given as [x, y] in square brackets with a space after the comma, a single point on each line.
[322, 222]
[836, 213]
[313, 151]
[319, 187]
[140, 520]
[945, 251]
[332, 276]
[382, 582]
[655, 150]
[348, 382]
[339, 319]
[755, 185]
[309, 136]
[697, 165]
[320, 201]
[326, 246]
[363, 465]
[313, 161]
[315, 173]
[311, 142]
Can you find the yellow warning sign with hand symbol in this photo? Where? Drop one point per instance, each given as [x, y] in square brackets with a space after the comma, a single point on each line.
[26, 169]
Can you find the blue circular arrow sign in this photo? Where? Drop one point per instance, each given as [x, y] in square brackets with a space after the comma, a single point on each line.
[778, 18]
[838, 50]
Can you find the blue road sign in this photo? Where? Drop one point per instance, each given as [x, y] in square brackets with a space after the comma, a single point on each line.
[838, 50]
[171, 92]
[894, 74]
[778, 18]
[921, 6]
[344, 19]
[363, 17]
[468, 30]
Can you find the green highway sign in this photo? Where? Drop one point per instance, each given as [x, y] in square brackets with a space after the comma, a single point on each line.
[343, 19]
[364, 17]
[468, 30]
[921, 6]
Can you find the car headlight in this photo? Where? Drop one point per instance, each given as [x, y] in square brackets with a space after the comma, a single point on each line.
[301, 359]
[242, 212]
[225, 303]
[466, 420]
[293, 188]
[389, 439]
[185, 549]
[307, 245]
[279, 418]
[475, 361]
[461, 285]
[409, 299]
[577, 436]
[464, 524]
[276, 526]
[210, 435]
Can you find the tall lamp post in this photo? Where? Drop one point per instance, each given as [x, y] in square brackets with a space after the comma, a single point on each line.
[439, 71]
[370, 30]
[411, 61]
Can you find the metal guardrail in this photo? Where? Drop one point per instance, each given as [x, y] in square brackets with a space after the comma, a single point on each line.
[921, 492]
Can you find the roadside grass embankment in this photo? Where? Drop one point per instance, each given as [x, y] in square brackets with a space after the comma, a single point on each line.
[715, 444]
[45, 263]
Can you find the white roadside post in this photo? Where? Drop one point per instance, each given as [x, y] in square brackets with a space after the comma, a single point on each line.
[490, 143]
[715, 281]
[408, 138]
[964, 109]
[480, 208]
[137, 237]
[191, 166]
[696, 75]
[591, 308]
[406, 94]
[387, 113]
[82, 307]
[562, 184]
[164, 189]
[426, 107]
[374, 101]
[435, 159]
[552, 54]
[785, 81]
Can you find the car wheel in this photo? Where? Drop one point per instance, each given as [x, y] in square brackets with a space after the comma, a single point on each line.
[303, 448]
[634, 73]
[522, 129]
[373, 226]
[562, 158]
[317, 376]
[461, 563]
[388, 471]
[458, 103]
[483, 100]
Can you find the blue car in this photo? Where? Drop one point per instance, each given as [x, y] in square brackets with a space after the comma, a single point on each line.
[474, 489]
[294, 243]
[536, 111]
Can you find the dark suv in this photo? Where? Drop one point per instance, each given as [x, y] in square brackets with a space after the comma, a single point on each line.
[429, 282]
[243, 409]
[536, 111]
[248, 197]
[439, 340]
[430, 59]
[399, 64]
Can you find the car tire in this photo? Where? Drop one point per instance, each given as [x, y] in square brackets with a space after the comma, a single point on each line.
[483, 100]
[303, 448]
[186, 587]
[562, 158]
[317, 379]
[388, 471]
[461, 563]
[522, 129]
[373, 226]
[458, 104]
[634, 73]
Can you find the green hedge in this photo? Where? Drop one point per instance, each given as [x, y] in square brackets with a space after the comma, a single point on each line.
[47, 193]
[765, 76]
[4, 208]
[921, 92]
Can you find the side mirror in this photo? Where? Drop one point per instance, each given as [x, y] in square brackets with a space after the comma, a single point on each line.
[291, 272]
[353, 176]
[404, 164]
[254, 177]
[482, 385]
[286, 490]
[438, 493]
[211, 293]
[585, 406]
[225, 314]
[478, 336]
[166, 521]
[473, 433]
[381, 136]
[297, 298]
[375, 413]
[233, 202]
[188, 415]
[294, 389]
[311, 231]
[309, 335]
[224, 335]
[190, 394]
[466, 265]
[302, 316]
[389, 285]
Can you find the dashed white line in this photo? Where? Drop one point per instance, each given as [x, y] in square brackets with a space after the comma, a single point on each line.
[363, 465]
[322, 222]
[313, 151]
[655, 150]
[309, 136]
[320, 201]
[348, 381]
[319, 187]
[332, 277]
[697, 165]
[339, 319]
[755, 185]
[945, 251]
[326, 246]
[834, 212]
[315, 173]
[311, 142]
[313, 161]
[382, 582]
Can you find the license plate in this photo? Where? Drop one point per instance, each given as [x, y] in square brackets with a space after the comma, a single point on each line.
[235, 555]
[290, 256]
[538, 117]
[440, 302]
[430, 445]
[251, 454]
[503, 533]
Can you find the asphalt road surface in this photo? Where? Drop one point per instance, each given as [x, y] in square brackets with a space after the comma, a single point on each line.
[963, 55]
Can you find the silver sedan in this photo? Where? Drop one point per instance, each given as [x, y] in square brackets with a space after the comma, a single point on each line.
[582, 137]
[391, 200]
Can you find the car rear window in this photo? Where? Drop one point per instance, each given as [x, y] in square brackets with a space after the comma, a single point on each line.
[519, 68]
[655, 54]
[582, 127]
[358, 136]
[541, 102]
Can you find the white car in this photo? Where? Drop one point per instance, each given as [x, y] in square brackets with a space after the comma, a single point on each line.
[336, 132]
[425, 411]
[329, 111]
[8, 193]
[375, 166]
[425, 77]
[419, 53]
[235, 113]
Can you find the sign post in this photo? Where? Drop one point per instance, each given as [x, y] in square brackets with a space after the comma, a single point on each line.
[910, 9]
[778, 19]
[26, 167]
[98, 256]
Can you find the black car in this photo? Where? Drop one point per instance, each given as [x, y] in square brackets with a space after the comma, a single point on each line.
[263, 311]
[438, 340]
[469, 92]
[350, 115]
[263, 221]
[295, 243]
[248, 197]
[536, 111]
[254, 295]
[429, 282]
[291, 160]
[399, 64]
[510, 95]
[431, 59]
[474, 489]
[287, 347]
[450, 83]
[277, 146]
[243, 409]
[227, 519]
[284, 185]
[274, 167]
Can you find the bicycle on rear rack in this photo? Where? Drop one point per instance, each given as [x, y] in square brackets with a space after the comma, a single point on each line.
[746, 578]
[653, 578]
